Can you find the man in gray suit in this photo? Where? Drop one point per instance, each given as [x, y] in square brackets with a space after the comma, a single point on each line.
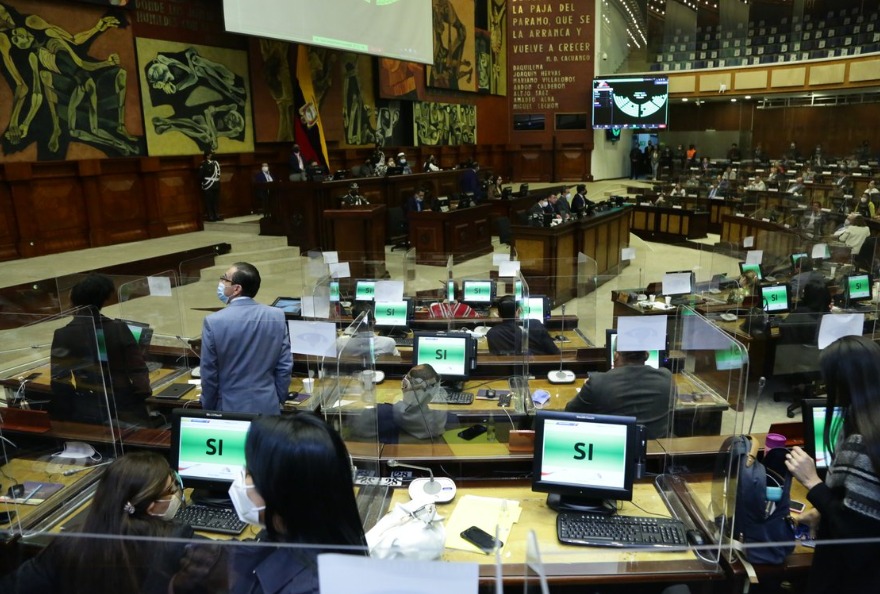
[631, 389]
[245, 358]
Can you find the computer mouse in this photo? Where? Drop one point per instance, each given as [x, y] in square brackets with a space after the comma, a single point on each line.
[15, 491]
[559, 337]
[695, 538]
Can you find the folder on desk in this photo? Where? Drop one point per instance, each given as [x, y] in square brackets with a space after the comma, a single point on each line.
[486, 513]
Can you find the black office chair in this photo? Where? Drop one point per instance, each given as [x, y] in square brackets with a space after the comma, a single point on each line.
[397, 228]
[796, 359]
[502, 226]
[867, 255]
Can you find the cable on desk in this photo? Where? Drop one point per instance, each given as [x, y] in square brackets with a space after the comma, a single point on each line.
[646, 511]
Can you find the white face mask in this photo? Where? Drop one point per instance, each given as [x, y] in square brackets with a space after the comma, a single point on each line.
[265, 170]
[246, 509]
[220, 294]
[173, 505]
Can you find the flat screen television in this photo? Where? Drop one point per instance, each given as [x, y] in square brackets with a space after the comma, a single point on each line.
[393, 313]
[207, 449]
[364, 290]
[776, 298]
[630, 102]
[478, 292]
[758, 270]
[584, 461]
[655, 358]
[814, 411]
[857, 287]
[535, 307]
[452, 355]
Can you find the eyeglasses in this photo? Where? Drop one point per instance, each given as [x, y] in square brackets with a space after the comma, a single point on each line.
[223, 279]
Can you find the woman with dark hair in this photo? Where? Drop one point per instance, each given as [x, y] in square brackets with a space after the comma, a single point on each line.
[847, 503]
[298, 486]
[136, 499]
[94, 354]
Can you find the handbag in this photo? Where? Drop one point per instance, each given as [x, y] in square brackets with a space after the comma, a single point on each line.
[411, 530]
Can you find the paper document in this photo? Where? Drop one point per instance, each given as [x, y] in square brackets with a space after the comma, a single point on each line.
[484, 512]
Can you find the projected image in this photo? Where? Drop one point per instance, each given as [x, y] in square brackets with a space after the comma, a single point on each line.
[638, 102]
[584, 453]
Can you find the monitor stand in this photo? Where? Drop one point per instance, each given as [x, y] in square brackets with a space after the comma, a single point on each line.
[211, 497]
[586, 505]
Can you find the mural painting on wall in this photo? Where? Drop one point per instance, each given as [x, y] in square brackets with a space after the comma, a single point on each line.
[67, 77]
[195, 98]
[444, 123]
[121, 3]
[454, 46]
[484, 62]
[272, 63]
[498, 35]
[358, 104]
[401, 80]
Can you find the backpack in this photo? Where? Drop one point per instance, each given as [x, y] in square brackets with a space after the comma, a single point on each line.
[760, 511]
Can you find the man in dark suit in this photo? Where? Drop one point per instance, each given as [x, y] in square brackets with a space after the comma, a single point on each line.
[415, 203]
[209, 178]
[245, 358]
[297, 165]
[507, 337]
[263, 176]
[580, 203]
[631, 389]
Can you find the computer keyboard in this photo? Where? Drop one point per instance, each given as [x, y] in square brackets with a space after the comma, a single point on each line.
[223, 520]
[619, 531]
[453, 398]
[403, 342]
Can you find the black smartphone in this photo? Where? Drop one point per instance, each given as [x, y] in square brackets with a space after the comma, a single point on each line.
[6, 517]
[491, 394]
[796, 506]
[472, 432]
[481, 539]
[31, 376]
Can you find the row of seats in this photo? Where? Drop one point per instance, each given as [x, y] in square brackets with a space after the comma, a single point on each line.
[831, 37]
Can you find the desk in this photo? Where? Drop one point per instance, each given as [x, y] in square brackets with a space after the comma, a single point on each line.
[567, 564]
[463, 234]
[667, 223]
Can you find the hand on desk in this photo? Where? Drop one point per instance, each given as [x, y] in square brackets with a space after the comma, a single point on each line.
[802, 467]
[810, 518]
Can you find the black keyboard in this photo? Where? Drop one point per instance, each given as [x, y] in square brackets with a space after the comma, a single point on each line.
[619, 531]
[404, 342]
[453, 398]
[211, 519]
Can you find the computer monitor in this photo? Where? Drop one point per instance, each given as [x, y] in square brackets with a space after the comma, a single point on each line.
[453, 355]
[506, 193]
[394, 171]
[535, 307]
[857, 287]
[795, 258]
[289, 305]
[478, 292]
[334, 291]
[758, 270]
[775, 299]
[655, 357]
[680, 282]
[450, 290]
[523, 190]
[141, 332]
[364, 290]
[814, 411]
[583, 460]
[393, 313]
[517, 290]
[207, 449]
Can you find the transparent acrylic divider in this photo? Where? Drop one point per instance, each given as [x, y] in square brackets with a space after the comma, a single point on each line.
[151, 308]
[58, 417]
[590, 291]
[535, 579]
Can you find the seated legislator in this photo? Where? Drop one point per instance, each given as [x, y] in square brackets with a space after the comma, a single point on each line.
[865, 207]
[805, 275]
[812, 222]
[416, 202]
[757, 185]
[506, 338]
[81, 370]
[448, 310]
[353, 198]
[855, 233]
[364, 342]
[562, 206]
[632, 389]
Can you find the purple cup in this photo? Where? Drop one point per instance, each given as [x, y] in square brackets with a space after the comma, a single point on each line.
[774, 440]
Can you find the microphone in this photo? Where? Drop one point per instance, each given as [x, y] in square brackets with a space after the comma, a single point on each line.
[761, 383]
[561, 376]
[438, 490]
[73, 471]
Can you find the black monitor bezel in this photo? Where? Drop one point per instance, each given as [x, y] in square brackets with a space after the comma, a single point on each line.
[609, 352]
[364, 280]
[545, 306]
[794, 260]
[622, 494]
[492, 291]
[846, 295]
[288, 314]
[174, 456]
[410, 311]
[760, 269]
[470, 352]
[788, 295]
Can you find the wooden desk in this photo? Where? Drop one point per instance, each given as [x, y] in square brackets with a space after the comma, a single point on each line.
[568, 564]
[548, 255]
[667, 223]
[463, 234]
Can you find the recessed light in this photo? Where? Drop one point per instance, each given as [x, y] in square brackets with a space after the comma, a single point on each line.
[684, 99]
[748, 96]
[733, 99]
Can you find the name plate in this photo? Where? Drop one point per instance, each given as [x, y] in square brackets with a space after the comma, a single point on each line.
[772, 189]
[766, 220]
[677, 206]
[740, 214]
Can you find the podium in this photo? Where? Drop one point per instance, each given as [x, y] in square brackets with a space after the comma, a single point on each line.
[358, 235]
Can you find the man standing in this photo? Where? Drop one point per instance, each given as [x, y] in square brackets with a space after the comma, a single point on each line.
[209, 176]
[297, 165]
[353, 198]
[263, 177]
[245, 358]
[631, 389]
[579, 203]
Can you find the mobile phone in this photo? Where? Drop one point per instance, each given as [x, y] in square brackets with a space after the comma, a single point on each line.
[31, 376]
[6, 517]
[481, 539]
[472, 432]
[796, 506]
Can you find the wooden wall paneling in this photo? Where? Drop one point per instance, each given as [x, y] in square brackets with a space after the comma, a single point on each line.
[529, 163]
[572, 162]
[602, 248]
[148, 169]
[62, 216]
[8, 223]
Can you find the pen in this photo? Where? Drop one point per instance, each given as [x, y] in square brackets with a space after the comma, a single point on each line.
[32, 493]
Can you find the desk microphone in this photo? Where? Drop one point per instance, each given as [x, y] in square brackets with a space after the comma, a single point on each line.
[561, 376]
[73, 471]
[438, 490]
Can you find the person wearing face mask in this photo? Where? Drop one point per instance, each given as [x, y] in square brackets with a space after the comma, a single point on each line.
[580, 203]
[245, 357]
[263, 177]
[137, 497]
[297, 486]
[562, 207]
[297, 165]
[413, 413]
[536, 212]
[865, 207]
[403, 164]
[209, 177]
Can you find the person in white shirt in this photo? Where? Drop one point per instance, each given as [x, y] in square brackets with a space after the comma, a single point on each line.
[757, 185]
[855, 233]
